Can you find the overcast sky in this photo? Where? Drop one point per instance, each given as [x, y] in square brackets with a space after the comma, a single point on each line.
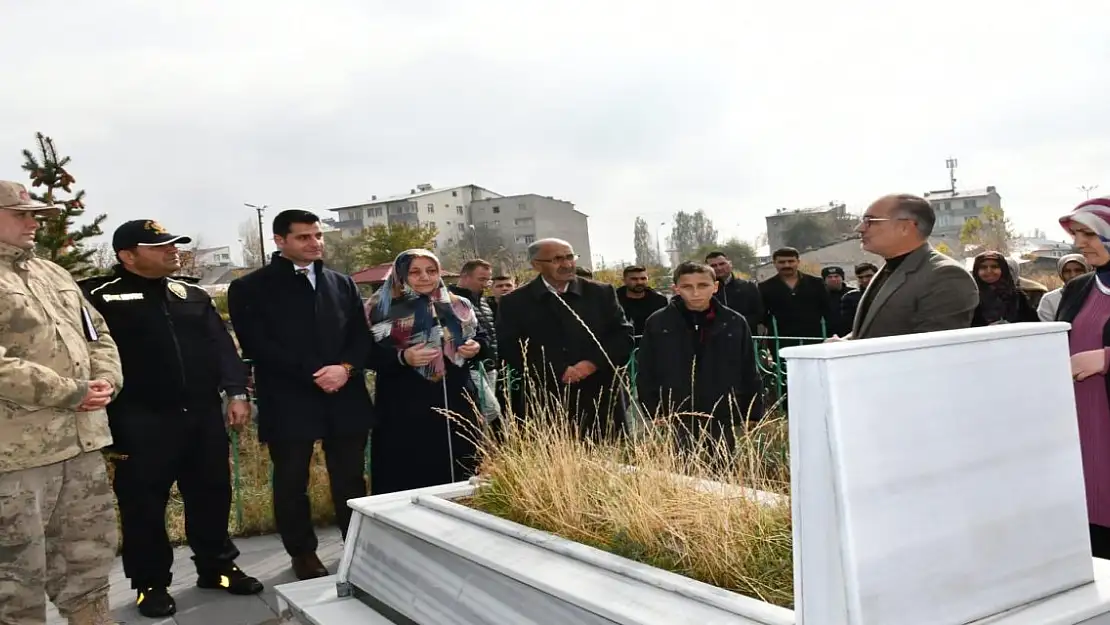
[182, 111]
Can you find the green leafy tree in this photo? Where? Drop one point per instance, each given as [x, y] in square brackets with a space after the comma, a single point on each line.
[807, 233]
[741, 253]
[381, 244]
[691, 231]
[341, 252]
[59, 239]
[990, 231]
[647, 253]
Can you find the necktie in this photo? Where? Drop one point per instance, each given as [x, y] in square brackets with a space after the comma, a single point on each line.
[303, 272]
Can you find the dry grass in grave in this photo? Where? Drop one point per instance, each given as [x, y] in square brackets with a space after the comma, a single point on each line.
[540, 474]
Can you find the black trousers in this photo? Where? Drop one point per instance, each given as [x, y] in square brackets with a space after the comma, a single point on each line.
[1100, 541]
[346, 463]
[190, 448]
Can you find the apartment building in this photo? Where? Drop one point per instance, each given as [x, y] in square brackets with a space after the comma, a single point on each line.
[447, 208]
[519, 220]
[833, 218]
[515, 220]
[955, 207]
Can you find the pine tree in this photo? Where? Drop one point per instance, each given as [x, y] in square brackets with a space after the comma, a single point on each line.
[58, 240]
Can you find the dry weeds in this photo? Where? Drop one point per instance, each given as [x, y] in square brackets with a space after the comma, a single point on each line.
[541, 474]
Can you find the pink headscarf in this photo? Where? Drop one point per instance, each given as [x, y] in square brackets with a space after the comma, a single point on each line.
[1094, 214]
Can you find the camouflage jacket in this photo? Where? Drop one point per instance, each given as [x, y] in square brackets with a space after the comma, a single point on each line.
[51, 344]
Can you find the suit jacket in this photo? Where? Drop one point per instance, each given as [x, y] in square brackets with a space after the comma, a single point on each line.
[557, 340]
[928, 292]
[290, 331]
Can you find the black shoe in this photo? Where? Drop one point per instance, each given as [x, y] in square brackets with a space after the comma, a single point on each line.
[231, 580]
[308, 566]
[155, 603]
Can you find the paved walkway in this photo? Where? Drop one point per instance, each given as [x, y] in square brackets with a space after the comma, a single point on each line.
[262, 557]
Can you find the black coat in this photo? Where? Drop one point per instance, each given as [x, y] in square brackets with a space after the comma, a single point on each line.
[638, 310]
[849, 304]
[556, 340]
[410, 448]
[290, 331]
[800, 311]
[484, 314]
[681, 370]
[176, 352]
[839, 324]
[743, 297]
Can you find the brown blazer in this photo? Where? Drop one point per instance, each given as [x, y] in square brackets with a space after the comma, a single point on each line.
[928, 292]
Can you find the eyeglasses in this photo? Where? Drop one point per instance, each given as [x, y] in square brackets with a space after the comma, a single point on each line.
[867, 220]
[558, 260]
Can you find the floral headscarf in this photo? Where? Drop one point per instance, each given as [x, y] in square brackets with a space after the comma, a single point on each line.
[401, 318]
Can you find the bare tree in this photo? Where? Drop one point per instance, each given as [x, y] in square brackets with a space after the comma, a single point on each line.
[251, 244]
[103, 258]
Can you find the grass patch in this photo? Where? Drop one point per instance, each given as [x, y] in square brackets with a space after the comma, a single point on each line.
[540, 474]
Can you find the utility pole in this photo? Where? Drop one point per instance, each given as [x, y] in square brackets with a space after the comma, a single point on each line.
[261, 240]
[1087, 189]
[951, 164]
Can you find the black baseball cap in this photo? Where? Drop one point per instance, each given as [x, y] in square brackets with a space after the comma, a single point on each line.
[144, 233]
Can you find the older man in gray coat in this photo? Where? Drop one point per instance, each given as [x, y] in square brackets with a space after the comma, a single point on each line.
[918, 289]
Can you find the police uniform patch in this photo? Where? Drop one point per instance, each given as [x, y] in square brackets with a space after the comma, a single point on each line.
[177, 289]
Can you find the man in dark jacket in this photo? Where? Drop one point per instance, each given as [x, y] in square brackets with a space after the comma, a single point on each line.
[697, 356]
[304, 328]
[637, 298]
[166, 423]
[849, 303]
[502, 286]
[797, 303]
[834, 284]
[560, 319]
[474, 277]
[739, 295]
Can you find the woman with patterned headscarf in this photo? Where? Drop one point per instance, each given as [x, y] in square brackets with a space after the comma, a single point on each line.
[1085, 303]
[1000, 299]
[424, 337]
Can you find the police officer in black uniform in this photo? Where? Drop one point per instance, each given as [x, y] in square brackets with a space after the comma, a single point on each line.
[167, 422]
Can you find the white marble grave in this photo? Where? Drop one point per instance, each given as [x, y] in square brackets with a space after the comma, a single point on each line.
[936, 477]
[936, 480]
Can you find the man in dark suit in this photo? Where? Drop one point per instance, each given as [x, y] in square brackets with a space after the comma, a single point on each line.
[575, 333]
[304, 328]
[918, 289]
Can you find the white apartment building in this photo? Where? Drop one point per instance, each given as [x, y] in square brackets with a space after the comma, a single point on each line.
[448, 209]
[521, 219]
[955, 207]
[213, 256]
[517, 220]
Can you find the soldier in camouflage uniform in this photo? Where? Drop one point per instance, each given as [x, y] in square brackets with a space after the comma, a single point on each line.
[58, 371]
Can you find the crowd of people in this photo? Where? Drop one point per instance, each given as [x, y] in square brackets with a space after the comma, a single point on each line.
[138, 369]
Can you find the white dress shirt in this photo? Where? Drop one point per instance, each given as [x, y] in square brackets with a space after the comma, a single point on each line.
[309, 272]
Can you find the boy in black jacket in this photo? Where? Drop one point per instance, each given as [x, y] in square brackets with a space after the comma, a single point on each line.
[696, 363]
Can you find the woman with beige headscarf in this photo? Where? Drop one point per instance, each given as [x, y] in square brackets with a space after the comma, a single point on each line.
[1068, 267]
